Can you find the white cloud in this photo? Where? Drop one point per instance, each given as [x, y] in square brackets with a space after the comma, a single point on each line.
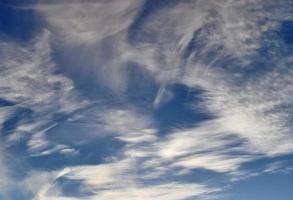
[123, 176]
[88, 22]
[203, 147]
[118, 180]
[251, 114]
[256, 110]
[29, 78]
[30, 81]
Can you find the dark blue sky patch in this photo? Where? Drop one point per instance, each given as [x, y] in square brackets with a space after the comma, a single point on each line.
[4, 103]
[141, 87]
[91, 144]
[74, 188]
[275, 43]
[180, 111]
[270, 48]
[90, 148]
[21, 114]
[16, 22]
[49, 162]
[287, 32]
[89, 154]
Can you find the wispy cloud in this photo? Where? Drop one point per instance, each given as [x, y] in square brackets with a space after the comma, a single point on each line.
[118, 180]
[204, 45]
[29, 81]
[82, 24]
[185, 43]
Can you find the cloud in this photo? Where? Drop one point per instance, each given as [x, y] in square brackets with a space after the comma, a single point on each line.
[117, 181]
[131, 167]
[31, 82]
[206, 45]
[278, 167]
[203, 147]
[256, 110]
[88, 22]
[94, 34]
[38, 95]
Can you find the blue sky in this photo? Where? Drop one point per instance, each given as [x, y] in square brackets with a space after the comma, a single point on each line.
[143, 100]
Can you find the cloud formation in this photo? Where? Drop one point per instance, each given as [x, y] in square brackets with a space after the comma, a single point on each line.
[81, 96]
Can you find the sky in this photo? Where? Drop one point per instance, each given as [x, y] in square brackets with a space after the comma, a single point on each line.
[146, 99]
